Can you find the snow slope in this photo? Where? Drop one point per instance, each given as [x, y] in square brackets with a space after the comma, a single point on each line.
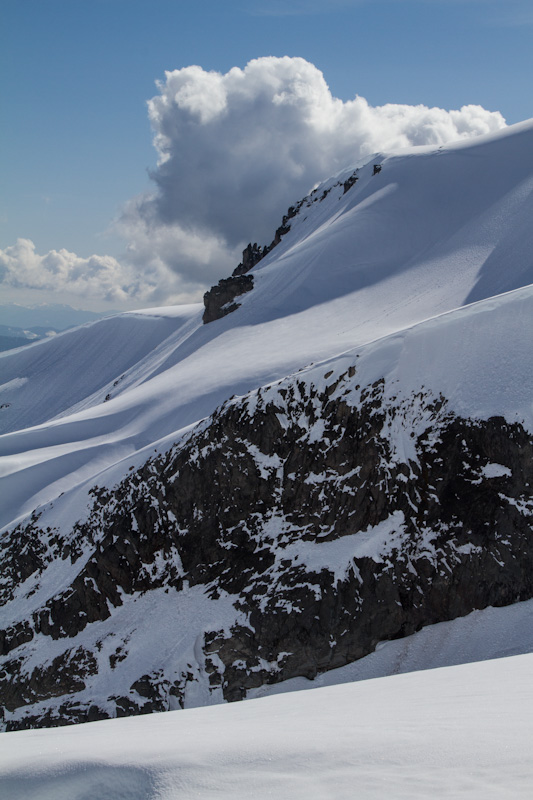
[434, 231]
[421, 275]
[92, 362]
[460, 732]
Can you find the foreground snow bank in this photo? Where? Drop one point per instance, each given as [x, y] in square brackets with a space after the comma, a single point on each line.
[458, 732]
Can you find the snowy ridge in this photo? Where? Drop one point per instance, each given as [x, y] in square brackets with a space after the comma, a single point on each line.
[434, 230]
[391, 498]
[332, 465]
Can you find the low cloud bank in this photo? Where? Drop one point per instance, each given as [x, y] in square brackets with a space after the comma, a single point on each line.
[234, 151]
[96, 277]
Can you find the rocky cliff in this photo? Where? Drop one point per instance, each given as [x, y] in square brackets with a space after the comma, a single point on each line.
[194, 511]
[291, 508]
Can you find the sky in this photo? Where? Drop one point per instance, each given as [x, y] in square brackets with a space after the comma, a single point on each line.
[145, 142]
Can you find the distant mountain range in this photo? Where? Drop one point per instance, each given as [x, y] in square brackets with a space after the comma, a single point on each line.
[21, 325]
[335, 452]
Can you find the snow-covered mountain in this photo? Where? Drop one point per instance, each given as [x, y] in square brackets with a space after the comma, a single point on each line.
[20, 325]
[55, 316]
[194, 511]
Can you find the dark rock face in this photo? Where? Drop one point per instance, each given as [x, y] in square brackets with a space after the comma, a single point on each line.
[251, 255]
[292, 503]
[219, 300]
[352, 180]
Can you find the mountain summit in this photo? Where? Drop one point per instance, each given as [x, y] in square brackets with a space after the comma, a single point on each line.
[339, 454]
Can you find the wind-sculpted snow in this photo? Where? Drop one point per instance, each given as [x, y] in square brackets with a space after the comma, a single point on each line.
[463, 732]
[94, 362]
[344, 458]
[435, 229]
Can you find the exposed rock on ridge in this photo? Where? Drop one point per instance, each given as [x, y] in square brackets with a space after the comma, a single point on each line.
[291, 507]
[219, 300]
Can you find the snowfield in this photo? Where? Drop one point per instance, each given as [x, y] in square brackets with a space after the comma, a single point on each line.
[421, 275]
[434, 231]
[457, 732]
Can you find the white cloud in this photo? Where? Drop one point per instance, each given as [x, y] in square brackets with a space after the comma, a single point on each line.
[193, 255]
[21, 266]
[234, 151]
[96, 277]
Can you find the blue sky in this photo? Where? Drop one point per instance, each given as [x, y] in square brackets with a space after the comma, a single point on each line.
[77, 143]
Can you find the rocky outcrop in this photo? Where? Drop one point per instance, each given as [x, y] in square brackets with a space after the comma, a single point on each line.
[251, 255]
[351, 181]
[220, 299]
[294, 507]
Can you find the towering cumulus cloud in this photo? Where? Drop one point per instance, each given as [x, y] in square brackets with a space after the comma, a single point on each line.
[234, 151]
